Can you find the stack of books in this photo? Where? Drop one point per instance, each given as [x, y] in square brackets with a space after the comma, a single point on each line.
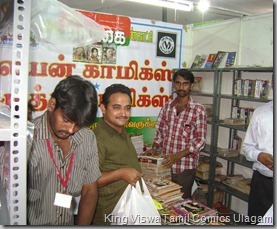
[138, 143]
[152, 167]
[237, 181]
[244, 185]
[164, 190]
[233, 179]
[202, 170]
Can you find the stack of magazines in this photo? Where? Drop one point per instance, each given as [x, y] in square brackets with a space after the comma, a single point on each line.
[164, 190]
[152, 167]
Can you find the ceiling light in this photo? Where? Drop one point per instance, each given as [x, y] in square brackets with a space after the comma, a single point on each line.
[203, 5]
[172, 4]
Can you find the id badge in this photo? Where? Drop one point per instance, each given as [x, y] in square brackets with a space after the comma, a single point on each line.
[62, 200]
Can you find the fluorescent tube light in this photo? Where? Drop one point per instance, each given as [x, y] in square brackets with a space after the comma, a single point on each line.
[172, 4]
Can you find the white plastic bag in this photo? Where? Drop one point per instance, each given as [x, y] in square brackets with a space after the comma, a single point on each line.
[58, 24]
[135, 208]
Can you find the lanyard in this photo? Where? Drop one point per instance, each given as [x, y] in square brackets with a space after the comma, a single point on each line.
[63, 181]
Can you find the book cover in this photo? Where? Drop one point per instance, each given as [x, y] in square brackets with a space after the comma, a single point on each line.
[210, 60]
[197, 84]
[248, 88]
[160, 186]
[196, 61]
[193, 208]
[199, 61]
[231, 59]
[220, 60]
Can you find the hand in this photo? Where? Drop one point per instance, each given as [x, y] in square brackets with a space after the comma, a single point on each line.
[266, 159]
[170, 159]
[130, 175]
[151, 152]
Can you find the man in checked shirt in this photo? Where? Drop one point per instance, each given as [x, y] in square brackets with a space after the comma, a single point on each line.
[180, 132]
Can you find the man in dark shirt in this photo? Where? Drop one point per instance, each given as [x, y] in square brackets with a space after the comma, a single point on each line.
[118, 160]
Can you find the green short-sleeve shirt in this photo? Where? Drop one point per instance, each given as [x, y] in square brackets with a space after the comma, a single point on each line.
[115, 151]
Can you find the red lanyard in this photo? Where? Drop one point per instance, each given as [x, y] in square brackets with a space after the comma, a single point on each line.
[63, 181]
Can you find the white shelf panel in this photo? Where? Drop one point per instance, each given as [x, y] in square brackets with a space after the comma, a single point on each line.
[5, 134]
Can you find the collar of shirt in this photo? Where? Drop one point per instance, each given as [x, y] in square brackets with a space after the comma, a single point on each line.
[191, 103]
[111, 130]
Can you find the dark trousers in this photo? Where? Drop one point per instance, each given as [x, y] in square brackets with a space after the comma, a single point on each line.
[261, 195]
[185, 179]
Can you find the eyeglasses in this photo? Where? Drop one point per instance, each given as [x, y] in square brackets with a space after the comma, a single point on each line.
[179, 84]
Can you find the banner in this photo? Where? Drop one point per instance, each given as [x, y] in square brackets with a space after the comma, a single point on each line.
[144, 63]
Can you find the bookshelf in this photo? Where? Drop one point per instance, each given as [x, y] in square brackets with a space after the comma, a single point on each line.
[216, 123]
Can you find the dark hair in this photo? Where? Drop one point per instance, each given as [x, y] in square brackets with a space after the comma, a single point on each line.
[77, 98]
[186, 74]
[112, 89]
[92, 49]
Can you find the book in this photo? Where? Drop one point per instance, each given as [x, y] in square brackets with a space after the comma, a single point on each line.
[138, 143]
[231, 59]
[165, 196]
[193, 208]
[205, 175]
[210, 60]
[227, 152]
[233, 179]
[261, 89]
[198, 61]
[204, 164]
[220, 177]
[220, 60]
[161, 186]
[244, 185]
[197, 84]
[151, 160]
[248, 88]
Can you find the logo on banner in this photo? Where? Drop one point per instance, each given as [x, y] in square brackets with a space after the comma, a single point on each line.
[166, 44]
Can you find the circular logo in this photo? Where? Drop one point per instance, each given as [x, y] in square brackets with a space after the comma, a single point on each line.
[166, 45]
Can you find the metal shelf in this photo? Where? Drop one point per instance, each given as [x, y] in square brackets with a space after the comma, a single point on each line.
[247, 69]
[202, 94]
[235, 127]
[14, 194]
[240, 160]
[202, 69]
[216, 123]
[245, 98]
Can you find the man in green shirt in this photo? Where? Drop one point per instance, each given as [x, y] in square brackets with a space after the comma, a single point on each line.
[118, 160]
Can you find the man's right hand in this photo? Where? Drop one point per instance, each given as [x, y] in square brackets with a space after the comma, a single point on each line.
[266, 159]
[151, 152]
[130, 175]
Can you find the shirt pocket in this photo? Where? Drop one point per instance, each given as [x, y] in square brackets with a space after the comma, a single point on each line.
[187, 131]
